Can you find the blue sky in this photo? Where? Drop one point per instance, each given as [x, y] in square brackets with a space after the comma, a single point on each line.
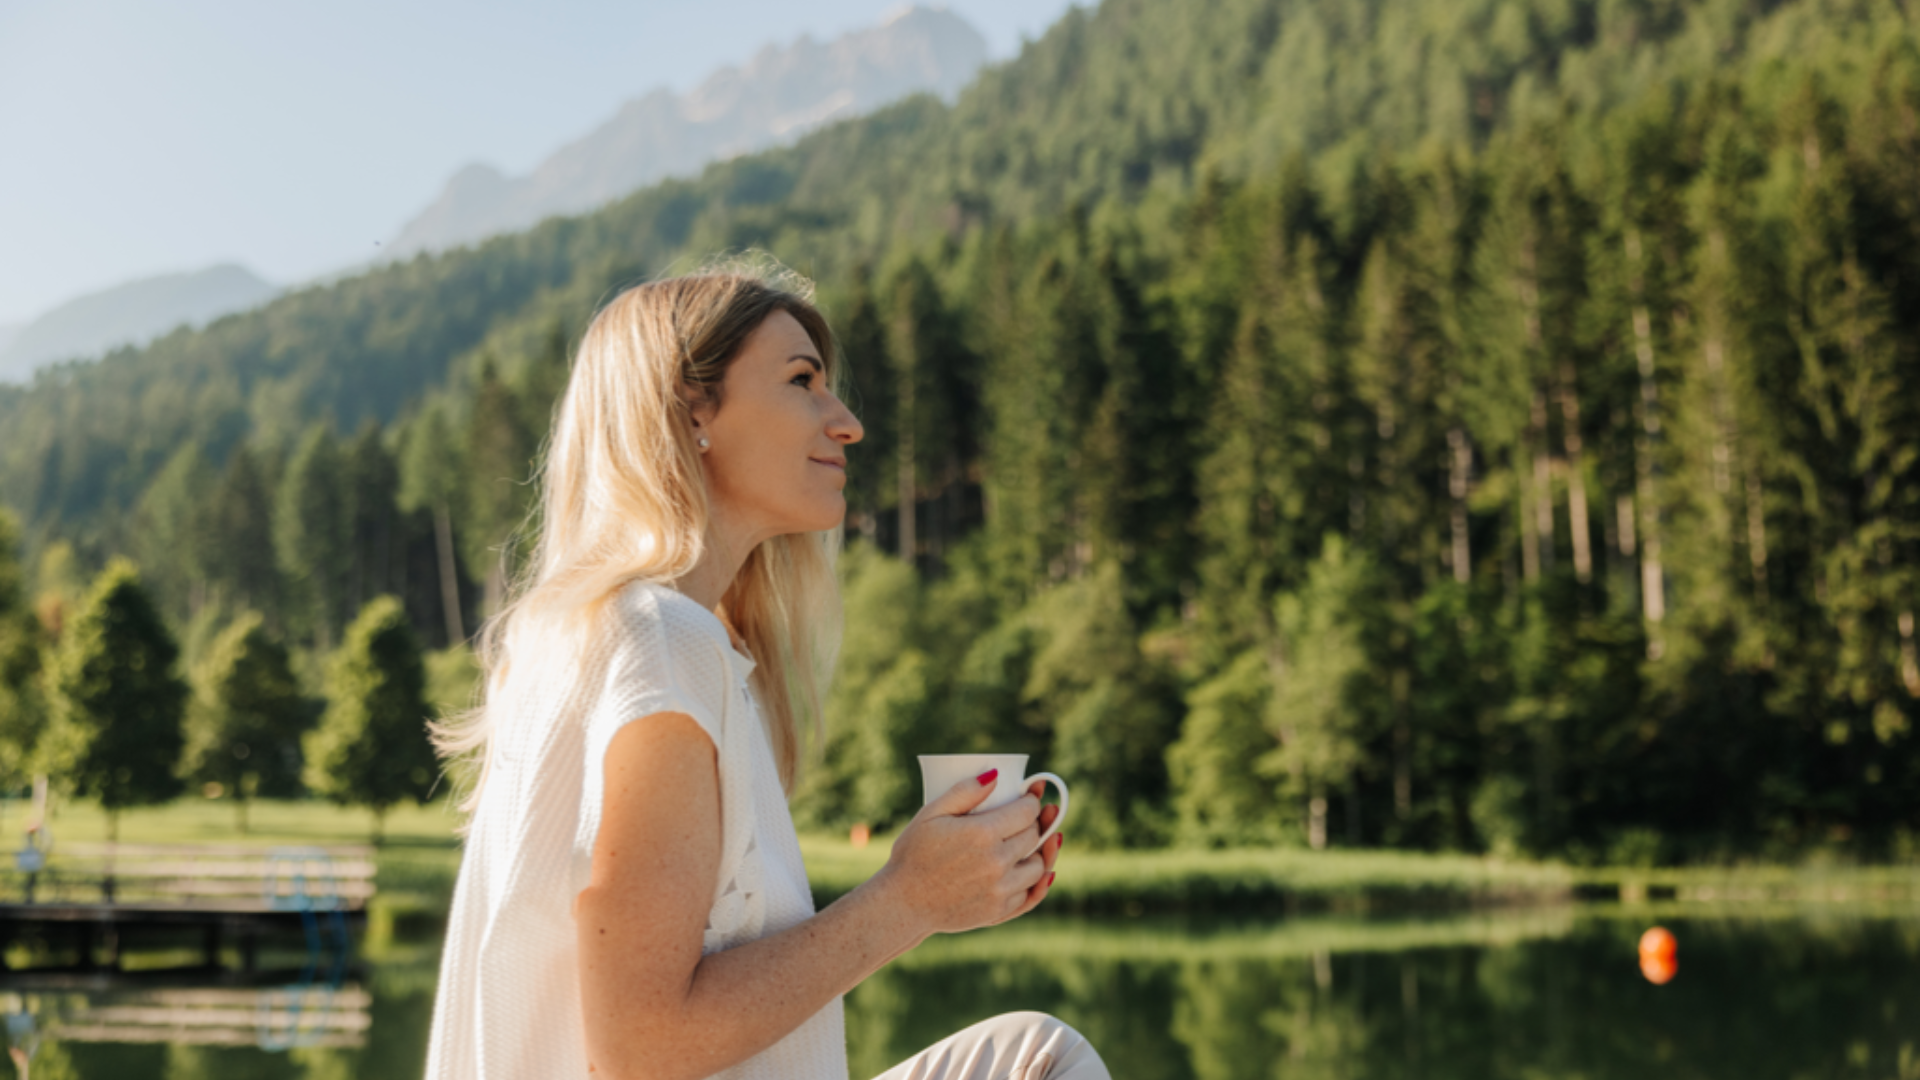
[139, 138]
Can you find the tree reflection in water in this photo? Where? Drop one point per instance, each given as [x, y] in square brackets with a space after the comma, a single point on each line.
[1534, 993]
[1763, 993]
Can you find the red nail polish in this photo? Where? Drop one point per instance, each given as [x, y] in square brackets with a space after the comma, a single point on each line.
[1049, 879]
[986, 777]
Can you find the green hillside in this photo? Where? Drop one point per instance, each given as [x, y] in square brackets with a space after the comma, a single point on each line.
[1456, 425]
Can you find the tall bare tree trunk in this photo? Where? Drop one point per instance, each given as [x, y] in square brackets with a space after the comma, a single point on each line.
[1542, 482]
[1317, 820]
[1402, 749]
[1537, 509]
[1909, 661]
[1576, 478]
[449, 575]
[1757, 531]
[1458, 474]
[1653, 597]
[909, 545]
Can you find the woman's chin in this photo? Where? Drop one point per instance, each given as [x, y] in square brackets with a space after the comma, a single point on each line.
[828, 515]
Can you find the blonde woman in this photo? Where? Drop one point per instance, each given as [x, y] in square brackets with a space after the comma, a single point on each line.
[631, 902]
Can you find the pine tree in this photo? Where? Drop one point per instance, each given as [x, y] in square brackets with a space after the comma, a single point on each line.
[883, 695]
[499, 456]
[22, 710]
[311, 534]
[872, 486]
[376, 562]
[430, 481]
[1220, 796]
[246, 718]
[240, 560]
[115, 704]
[370, 748]
[1272, 482]
[170, 531]
[1111, 710]
[1327, 704]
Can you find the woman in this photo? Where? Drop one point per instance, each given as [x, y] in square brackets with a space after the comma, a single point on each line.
[632, 901]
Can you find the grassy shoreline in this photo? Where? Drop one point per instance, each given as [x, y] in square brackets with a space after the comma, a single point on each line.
[420, 858]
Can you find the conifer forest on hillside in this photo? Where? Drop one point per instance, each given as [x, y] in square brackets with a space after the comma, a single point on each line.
[1484, 425]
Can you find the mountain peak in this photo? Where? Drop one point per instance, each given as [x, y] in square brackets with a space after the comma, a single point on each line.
[780, 93]
[131, 313]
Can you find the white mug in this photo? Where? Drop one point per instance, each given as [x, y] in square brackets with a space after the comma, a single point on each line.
[939, 772]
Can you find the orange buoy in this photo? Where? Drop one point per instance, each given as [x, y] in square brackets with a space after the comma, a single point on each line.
[1659, 960]
[1659, 970]
[1658, 941]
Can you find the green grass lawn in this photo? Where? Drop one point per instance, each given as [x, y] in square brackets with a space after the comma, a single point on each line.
[420, 857]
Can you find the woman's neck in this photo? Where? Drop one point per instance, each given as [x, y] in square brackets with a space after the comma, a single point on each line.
[721, 558]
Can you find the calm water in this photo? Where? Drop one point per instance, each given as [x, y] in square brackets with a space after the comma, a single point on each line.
[1818, 992]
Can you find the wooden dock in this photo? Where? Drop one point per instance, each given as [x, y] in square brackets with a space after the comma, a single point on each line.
[283, 1011]
[97, 895]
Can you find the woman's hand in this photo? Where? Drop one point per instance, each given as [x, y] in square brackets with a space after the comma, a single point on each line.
[955, 871]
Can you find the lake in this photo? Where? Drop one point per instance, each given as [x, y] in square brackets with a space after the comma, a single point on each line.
[1761, 991]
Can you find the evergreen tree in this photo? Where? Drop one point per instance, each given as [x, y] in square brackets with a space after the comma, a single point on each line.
[1220, 795]
[376, 546]
[370, 748]
[312, 538]
[1269, 487]
[1111, 710]
[22, 710]
[240, 560]
[1327, 704]
[246, 718]
[115, 704]
[877, 717]
[499, 455]
[430, 481]
[170, 531]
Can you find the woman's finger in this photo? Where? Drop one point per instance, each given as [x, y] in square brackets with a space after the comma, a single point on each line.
[1050, 851]
[1032, 897]
[1014, 818]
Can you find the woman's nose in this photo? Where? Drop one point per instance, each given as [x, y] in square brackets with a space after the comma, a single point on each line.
[843, 426]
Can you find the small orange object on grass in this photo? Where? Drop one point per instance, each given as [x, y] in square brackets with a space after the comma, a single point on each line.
[860, 835]
[1659, 960]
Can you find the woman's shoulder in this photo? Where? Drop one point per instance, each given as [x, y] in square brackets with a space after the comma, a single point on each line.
[663, 653]
[649, 619]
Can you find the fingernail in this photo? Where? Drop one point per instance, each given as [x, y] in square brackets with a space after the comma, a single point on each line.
[987, 777]
[1050, 879]
[1061, 840]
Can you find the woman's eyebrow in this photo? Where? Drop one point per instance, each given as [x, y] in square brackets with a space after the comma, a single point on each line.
[814, 360]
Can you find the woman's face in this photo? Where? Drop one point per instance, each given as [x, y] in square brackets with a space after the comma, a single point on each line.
[776, 447]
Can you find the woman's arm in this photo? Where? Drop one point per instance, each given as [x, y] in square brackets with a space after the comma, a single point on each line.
[656, 1009]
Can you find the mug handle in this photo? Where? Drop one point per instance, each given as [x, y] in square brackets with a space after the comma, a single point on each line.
[1060, 819]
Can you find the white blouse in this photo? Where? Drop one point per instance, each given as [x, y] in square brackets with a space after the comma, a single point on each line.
[509, 993]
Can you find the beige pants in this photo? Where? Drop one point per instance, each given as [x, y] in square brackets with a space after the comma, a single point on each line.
[1011, 1046]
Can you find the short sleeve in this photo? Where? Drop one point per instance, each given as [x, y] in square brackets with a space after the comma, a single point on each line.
[659, 658]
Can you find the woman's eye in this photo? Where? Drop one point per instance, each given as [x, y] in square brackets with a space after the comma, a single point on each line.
[805, 379]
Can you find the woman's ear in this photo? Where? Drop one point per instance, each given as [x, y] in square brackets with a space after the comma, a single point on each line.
[700, 408]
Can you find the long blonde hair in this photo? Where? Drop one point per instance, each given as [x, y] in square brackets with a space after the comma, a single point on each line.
[623, 499]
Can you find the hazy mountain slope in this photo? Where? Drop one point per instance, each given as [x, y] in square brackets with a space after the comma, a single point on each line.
[129, 314]
[777, 96]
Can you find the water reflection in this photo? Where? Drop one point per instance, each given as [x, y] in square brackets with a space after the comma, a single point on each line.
[1531, 995]
[1528, 993]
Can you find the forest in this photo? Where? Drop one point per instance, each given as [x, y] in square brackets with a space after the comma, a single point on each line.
[1488, 425]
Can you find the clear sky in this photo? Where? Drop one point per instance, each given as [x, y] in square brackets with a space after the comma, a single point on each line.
[141, 137]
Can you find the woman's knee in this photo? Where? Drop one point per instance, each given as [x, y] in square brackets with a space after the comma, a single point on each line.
[1048, 1046]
